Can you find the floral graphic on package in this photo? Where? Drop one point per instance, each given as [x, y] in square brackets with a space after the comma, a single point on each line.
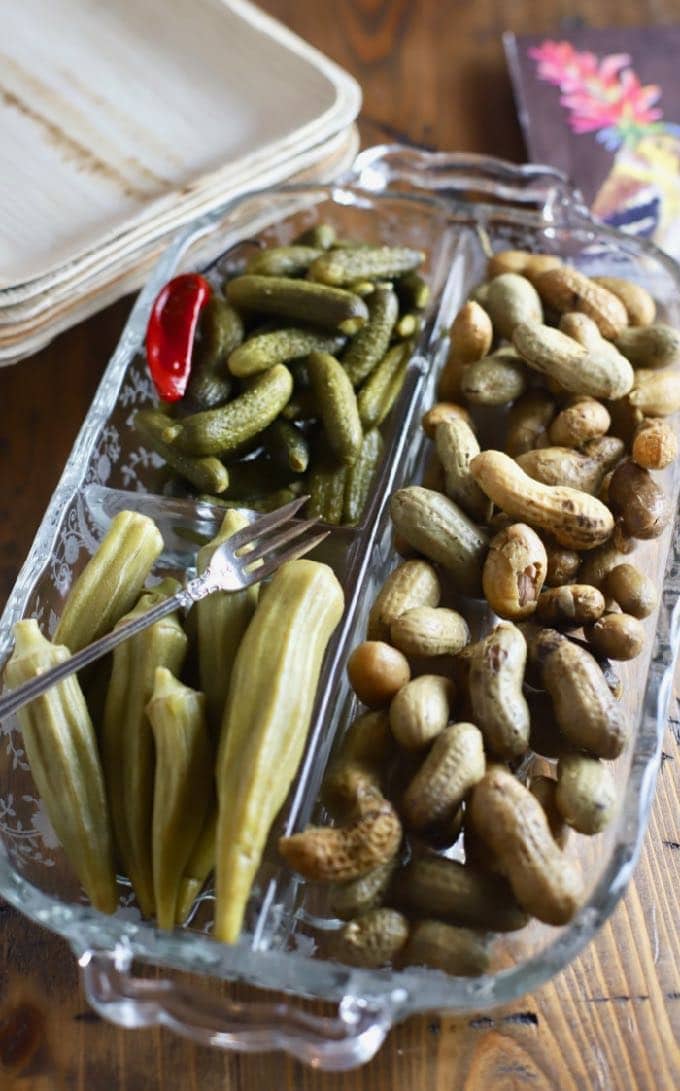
[605, 96]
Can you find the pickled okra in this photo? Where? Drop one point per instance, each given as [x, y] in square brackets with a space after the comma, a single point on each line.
[182, 785]
[266, 721]
[226, 430]
[370, 344]
[61, 748]
[337, 405]
[206, 474]
[340, 267]
[200, 865]
[111, 581]
[278, 347]
[221, 329]
[221, 618]
[127, 741]
[301, 300]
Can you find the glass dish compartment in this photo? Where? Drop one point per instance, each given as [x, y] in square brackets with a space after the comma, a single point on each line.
[278, 947]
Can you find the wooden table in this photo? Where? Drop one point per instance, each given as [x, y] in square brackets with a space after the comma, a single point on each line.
[432, 72]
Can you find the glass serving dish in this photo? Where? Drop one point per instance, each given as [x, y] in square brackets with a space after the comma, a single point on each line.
[455, 208]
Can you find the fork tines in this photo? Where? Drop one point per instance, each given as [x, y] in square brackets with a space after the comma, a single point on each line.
[302, 546]
[266, 523]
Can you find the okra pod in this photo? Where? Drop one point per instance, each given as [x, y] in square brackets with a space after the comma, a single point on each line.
[199, 866]
[227, 430]
[221, 330]
[301, 300]
[360, 476]
[338, 267]
[111, 581]
[337, 405]
[127, 739]
[182, 785]
[370, 344]
[375, 391]
[61, 748]
[283, 261]
[264, 350]
[206, 474]
[221, 618]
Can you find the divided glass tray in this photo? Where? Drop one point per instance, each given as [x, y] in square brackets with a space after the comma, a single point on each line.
[454, 208]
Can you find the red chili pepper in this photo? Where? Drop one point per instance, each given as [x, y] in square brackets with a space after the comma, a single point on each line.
[171, 331]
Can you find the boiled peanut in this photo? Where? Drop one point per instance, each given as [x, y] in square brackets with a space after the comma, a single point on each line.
[545, 790]
[586, 793]
[413, 583]
[597, 563]
[625, 419]
[433, 474]
[572, 604]
[528, 422]
[655, 445]
[349, 899]
[495, 683]
[471, 333]
[495, 380]
[586, 712]
[460, 894]
[512, 299]
[522, 262]
[437, 527]
[566, 289]
[582, 419]
[444, 411]
[640, 504]
[358, 766]
[340, 853]
[376, 672]
[640, 307]
[514, 571]
[372, 939]
[459, 952]
[597, 372]
[575, 519]
[653, 346]
[607, 450]
[456, 446]
[618, 636]
[513, 823]
[635, 592]
[656, 393]
[563, 466]
[563, 564]
[584, 330]
[420, 710]
[452, 767]
[545, 737]
[429, 631]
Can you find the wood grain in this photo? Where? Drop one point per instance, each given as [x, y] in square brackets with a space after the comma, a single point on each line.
[432, 73]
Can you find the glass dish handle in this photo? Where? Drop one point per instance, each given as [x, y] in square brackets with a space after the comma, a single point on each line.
[531, 185]
[336, 1044]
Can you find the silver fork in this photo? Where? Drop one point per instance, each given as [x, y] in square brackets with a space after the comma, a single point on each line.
[230, 569]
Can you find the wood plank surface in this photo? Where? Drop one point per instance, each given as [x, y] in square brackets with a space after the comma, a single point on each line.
[432, 72]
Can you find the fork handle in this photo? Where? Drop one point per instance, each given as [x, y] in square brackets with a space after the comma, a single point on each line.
[30, 690]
